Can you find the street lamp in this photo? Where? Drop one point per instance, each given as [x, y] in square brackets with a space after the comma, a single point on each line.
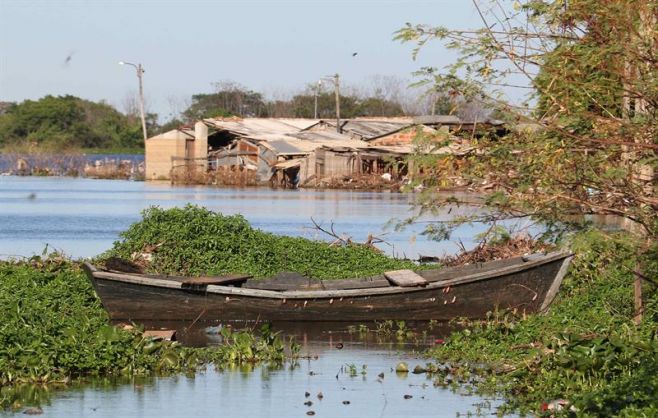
[317, 93]
[335, 79]
[140, 73]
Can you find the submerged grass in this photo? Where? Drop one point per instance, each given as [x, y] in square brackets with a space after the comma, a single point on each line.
[194, 241]
[54, 331]
[586, 350]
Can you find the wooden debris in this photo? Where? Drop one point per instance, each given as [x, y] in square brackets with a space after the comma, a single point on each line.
[162, 334]
[488, 252]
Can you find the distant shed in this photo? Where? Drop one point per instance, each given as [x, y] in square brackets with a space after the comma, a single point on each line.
[185, 145]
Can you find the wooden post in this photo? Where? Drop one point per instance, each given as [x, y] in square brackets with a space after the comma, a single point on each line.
[637, 298]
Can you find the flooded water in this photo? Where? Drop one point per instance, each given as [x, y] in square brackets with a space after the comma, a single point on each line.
[83, 217]
[371, 389]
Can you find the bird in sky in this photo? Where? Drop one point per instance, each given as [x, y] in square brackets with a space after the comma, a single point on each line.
[68, 58]
[354, 54]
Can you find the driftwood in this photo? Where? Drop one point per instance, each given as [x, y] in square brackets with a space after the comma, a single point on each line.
[346, 239]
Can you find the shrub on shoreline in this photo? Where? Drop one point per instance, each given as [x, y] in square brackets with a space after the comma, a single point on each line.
[586, 349]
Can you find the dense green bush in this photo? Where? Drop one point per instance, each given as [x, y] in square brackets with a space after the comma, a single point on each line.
[194, 240]
[54, 331]
[60, 122]
[586, 349]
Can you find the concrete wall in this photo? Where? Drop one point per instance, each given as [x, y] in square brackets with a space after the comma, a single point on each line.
[158, 152]
[200, 146]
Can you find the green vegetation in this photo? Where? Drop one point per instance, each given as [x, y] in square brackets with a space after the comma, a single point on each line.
[67, 122]
[195, 241]
[586, 145]
[585, 350]
[589, 71]
[54, 331]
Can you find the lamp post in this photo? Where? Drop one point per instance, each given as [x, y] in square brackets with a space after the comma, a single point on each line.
[335, 79]
[317, 93]
[140, 73]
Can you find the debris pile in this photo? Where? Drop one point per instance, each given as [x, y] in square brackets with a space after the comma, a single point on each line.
[498, 250]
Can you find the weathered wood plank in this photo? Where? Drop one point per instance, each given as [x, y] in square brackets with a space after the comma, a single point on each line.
[365, 283]
[405, 278]
[216, 280]
[285, 280]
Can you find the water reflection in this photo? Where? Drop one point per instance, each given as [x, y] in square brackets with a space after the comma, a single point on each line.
[318, 336]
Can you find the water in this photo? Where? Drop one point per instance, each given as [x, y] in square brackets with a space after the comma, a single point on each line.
[83, 217]
[279, 392]
[327, 354]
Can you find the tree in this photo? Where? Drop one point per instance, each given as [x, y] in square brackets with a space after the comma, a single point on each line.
[229, 99]
[68, 121]
[590, 70]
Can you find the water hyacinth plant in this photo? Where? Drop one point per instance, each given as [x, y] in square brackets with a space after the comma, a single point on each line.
[586, 350]
[54, 331]
[195, 241]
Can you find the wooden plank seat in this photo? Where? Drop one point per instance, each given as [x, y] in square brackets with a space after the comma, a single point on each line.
[405, 278]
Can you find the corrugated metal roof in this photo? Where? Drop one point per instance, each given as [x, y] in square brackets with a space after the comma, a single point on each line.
[437, 119]
[369, 129]
[290, 147]
[260, 128]
[329, 137]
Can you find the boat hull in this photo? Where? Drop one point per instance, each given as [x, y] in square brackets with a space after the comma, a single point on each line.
[527, 287]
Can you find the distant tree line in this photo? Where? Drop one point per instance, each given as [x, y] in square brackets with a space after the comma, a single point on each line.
[71, 122]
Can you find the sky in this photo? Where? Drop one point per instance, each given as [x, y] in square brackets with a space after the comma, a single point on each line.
[73, 47]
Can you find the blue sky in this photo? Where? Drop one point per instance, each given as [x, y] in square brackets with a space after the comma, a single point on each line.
[270, 46]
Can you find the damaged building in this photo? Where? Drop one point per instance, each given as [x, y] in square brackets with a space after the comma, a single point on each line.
[291, 152]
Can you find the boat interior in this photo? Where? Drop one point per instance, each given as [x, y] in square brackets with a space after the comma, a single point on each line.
[286, 281]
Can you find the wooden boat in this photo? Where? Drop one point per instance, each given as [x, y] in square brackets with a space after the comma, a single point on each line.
[527, 284]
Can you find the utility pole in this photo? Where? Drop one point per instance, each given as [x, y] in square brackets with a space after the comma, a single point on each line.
[140, 73]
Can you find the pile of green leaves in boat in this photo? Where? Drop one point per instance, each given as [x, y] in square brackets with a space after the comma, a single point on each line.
[196, 241]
